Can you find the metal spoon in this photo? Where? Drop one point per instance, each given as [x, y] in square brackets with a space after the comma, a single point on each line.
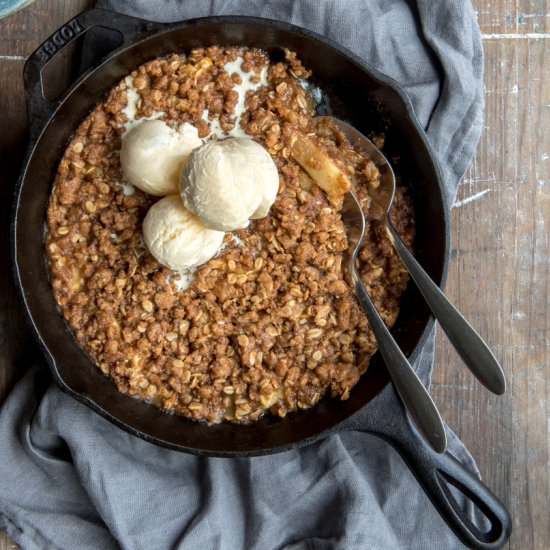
[467, 342]
[414, 395]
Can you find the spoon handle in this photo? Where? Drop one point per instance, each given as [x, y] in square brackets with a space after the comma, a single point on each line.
[414, 395]
[467, 342]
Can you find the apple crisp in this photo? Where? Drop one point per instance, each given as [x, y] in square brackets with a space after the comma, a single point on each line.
[270, 323]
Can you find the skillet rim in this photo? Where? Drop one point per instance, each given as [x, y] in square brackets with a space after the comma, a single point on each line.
[156, 29]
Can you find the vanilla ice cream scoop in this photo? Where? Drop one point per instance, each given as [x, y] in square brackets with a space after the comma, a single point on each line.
[152, 154]
[176, 237]
[226, 183]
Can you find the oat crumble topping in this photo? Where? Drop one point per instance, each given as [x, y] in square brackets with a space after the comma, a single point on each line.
[270, 323]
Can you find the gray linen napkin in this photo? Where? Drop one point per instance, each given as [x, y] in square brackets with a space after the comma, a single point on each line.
[69, 479]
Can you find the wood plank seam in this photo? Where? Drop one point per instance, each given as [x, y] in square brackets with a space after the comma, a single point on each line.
[516, 36]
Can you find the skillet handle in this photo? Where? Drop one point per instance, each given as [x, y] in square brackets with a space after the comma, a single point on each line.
[436, 473]
[40, 109]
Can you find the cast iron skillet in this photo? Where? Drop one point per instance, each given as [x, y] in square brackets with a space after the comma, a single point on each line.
[355, 92]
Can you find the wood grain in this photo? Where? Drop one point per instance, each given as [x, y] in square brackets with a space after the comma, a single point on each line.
[499, 273]
[14, 338]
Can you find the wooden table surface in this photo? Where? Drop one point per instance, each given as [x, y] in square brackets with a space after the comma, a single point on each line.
[499, 273]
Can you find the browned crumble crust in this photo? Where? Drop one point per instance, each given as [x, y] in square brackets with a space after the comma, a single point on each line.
[269, 324]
